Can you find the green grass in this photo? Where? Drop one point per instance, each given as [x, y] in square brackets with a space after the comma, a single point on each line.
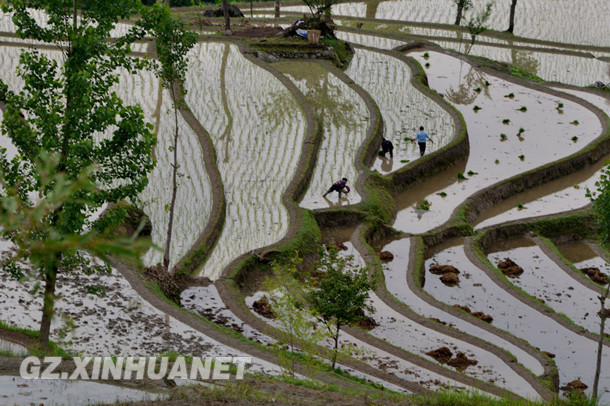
[506, 121]
[575, 122]
[503, 137]
[468, 398]
[442, 194]
[510, 95]
[476, 108]
[461, 176]
[522, 157]
[523, 109]
[521, 130]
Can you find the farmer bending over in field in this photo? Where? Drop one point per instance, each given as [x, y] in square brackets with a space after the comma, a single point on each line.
[338, 186]
[387, 146]
[421, 138]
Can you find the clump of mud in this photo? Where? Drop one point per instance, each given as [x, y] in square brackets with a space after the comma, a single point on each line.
[445, 356]
[438, 321]
[548, 354]
[386, 256]
[338, 245]
[479, 315]
[367, 323]
[450, 279]
[449, 274]
[576, 386]
[465, 308]
[510, 268]
[461, 362]
[482, 316]
[596, 275]
[443, 269]
[442, 355]
[263, 307]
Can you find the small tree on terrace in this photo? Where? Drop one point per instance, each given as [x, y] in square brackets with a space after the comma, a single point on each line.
[601, 206]
[173, 43]
[69, 110]
[477, 26]
[341, 298]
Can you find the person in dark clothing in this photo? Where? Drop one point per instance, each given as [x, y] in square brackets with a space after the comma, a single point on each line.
[338, 186]
[387, 146]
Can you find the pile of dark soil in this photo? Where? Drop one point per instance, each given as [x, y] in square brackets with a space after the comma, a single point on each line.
[442, 355]
[575, 386]
[367, 323]
[482, 316]
[465, 308]
[386, 256]
[443, 269]
[461, 362]
[262, 307]
[596, 275]
[450, 279]
[445, 356]
[449, 274]
[510, 268]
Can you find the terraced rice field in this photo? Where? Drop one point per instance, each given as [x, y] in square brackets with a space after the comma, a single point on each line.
[261, 142]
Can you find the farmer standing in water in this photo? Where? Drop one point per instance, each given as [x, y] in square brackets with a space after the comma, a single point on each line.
[338, 186]
[421, 138]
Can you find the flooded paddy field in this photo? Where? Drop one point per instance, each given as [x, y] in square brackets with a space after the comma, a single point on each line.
[249, 121]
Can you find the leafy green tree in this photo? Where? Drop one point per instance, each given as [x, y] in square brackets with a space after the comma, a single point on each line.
[342, 295]
[172, 42]
[462, 7]
[298, 333]
[71, 111]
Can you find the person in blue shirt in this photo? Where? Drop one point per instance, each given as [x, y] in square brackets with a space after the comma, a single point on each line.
[421, 138]
[338, 186]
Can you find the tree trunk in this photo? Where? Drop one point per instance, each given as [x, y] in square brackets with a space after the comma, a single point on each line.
[225, 11]
[511, 25]
[172, 205]
[50, 277]
[600, 345]
[276, 6]
[460, 10]
[336, 349]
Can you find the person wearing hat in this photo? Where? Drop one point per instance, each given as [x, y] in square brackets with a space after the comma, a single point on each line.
[338, 186]
[421, 138]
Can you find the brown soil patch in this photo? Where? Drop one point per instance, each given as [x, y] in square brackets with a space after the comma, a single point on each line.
[510, 268]
[442, 355]
[443, 269]
[258, 32]
[461, 362]
[386, 256]
[548, 354]
[367, 323]
[338, 245]
[596, 275]
[450, 279]
[439, 321]
[482, 316]
[465, 308]
[262, 307]
[575, 386]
